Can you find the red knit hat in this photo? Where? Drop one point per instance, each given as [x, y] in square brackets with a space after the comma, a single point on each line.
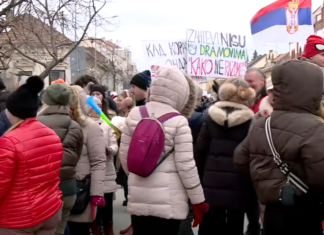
[314, 46]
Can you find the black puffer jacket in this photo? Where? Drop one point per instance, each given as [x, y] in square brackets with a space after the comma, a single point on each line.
[226, 126]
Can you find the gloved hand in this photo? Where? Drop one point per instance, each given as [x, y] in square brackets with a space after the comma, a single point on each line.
[199, 210]
[97, 201]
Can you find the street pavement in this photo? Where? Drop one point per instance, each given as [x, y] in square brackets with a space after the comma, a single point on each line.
[122, 218]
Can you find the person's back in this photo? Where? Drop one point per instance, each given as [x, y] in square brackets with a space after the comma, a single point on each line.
[297, 131]
[34, 154]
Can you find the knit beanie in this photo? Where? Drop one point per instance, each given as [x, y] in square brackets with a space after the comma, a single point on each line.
[142, 80]
[23, 102]
[57, 94]
[314, 46]
[236, 90]
[99, 88]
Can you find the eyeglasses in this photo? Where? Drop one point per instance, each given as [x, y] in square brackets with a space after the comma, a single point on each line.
[319, 47]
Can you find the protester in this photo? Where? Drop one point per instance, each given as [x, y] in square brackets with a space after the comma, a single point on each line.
[55, 115]
[195, 122]
[176, 178]
[86, 81]
[314, 50]
[266, 105]
[140, 83]
[105, 214]
[125, 103]
[227, 192]
[30, 162]
[99, 92]
[92, 163]
[297, 130]
[3, 95]
[256, 79]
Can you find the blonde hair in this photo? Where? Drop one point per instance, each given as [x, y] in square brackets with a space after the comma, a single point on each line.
[75, 108]
[127, 95]
[14, 126]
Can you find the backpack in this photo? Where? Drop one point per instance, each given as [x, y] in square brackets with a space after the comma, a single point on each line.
[147, 144]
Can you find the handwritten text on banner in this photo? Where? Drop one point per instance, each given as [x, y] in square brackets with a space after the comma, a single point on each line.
[216, 54]
[171, 52]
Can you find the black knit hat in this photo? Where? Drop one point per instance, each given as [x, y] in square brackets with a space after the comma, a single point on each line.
[23, 102]
[142, 80]
[99, 88]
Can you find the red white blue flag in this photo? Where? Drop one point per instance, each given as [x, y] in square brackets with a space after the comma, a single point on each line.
[283, 21]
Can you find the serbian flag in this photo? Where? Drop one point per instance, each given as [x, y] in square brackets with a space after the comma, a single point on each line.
[283, 21]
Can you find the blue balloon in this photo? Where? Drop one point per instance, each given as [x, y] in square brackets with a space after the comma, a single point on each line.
[93, 105]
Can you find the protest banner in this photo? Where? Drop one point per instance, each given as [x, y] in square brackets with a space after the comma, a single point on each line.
[167, 52]
[216, 54]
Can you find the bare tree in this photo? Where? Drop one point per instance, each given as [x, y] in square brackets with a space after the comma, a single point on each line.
[43, 32]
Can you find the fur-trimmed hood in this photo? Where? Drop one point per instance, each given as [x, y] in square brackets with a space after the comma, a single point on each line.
[230, 114]
[172, 87]
[79, 108]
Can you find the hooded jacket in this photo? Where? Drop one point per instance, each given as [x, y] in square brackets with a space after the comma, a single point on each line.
[226, 125]
[165, 192]
[111, 142]
[93, 157]
[297, 131]
[70, 132]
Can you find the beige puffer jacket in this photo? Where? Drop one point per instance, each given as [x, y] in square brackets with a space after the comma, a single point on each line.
[165, 192]
[93, 157]
[111, 142]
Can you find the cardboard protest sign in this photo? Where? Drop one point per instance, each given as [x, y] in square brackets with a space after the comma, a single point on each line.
[167, 52]
[216, 54]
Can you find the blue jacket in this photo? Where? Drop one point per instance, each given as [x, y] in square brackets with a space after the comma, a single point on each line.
[4, 123]
[196, 120]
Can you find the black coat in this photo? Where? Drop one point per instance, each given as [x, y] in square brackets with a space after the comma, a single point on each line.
[3, 97]
[226, 126]
[196, 121]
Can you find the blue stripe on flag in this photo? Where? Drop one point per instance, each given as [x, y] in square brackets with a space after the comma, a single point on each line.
[278, 17]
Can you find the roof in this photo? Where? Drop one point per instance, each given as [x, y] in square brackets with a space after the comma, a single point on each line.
[27, 29]
[280, 57]
[256, 60]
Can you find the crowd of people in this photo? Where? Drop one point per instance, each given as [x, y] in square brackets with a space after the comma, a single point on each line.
[182, 160]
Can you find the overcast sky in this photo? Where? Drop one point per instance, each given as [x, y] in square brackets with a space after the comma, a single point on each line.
[168, 19]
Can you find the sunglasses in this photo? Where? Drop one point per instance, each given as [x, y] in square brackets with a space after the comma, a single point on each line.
[319, 47]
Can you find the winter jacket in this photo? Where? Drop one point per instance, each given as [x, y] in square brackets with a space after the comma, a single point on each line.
[30, 162]
[70, 132]
[3, 98]
[165, 192]
[111, 142]
[195, 122]
[112, 105]
[4, 123]
[141, 102]
[93, 157]
[297, 133]
[227, 124]
[255, 108]
[265, 108]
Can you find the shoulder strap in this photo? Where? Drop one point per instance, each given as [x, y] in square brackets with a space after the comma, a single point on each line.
[143, 111]
[167, 116]
[284, 168]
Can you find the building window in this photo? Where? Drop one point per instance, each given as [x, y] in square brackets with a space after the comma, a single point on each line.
[318, 17]
[23, 75]
[56, 74]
